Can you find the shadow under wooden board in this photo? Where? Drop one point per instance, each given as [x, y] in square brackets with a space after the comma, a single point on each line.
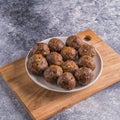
[41, 103]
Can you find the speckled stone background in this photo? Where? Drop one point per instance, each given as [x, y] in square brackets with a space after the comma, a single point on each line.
[24, 22]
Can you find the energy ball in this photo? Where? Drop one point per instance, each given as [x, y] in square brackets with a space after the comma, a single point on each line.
[41, 48]
[69, 66]
[37, 64]
[54, 58]
[52, 73]
[86, 61]
[66, 81]
[84, 75]
[55, 44]
[86, 49]
[68, 53]
[74, 41]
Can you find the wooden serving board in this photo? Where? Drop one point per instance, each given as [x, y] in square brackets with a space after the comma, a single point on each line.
[41, 103]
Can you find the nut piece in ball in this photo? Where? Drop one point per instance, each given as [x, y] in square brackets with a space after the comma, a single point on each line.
[37, 64]
[86, 61]
[41, 48]
[54, 58]
[55, 44]
[86, 49]
[52, 73]
[69, 66]
[84, 75]
[66, 81]
[68, 53]
[74, 41]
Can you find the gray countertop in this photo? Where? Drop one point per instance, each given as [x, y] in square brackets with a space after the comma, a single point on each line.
[24, 22]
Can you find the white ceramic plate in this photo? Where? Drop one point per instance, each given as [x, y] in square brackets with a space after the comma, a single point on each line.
[41, 82]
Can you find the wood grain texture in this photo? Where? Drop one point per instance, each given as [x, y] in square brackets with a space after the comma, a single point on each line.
[41, 103]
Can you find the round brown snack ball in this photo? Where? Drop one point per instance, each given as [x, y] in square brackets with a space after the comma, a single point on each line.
[37, 64]
[84, 75]
[66, 81]
[86, 49]
[55, 44]
[41, 48]
[69, 66]
[52, 73]
[68, 53]
[74, 41]
[86, 61]
[54, 58]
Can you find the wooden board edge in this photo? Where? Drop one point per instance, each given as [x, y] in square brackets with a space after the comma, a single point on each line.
[0, 71]
[89, 32]
[9, 64]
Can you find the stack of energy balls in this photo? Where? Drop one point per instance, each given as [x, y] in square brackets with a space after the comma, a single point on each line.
[67, 65]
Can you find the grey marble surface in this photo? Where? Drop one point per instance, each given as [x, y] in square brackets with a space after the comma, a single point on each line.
[24, 22]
